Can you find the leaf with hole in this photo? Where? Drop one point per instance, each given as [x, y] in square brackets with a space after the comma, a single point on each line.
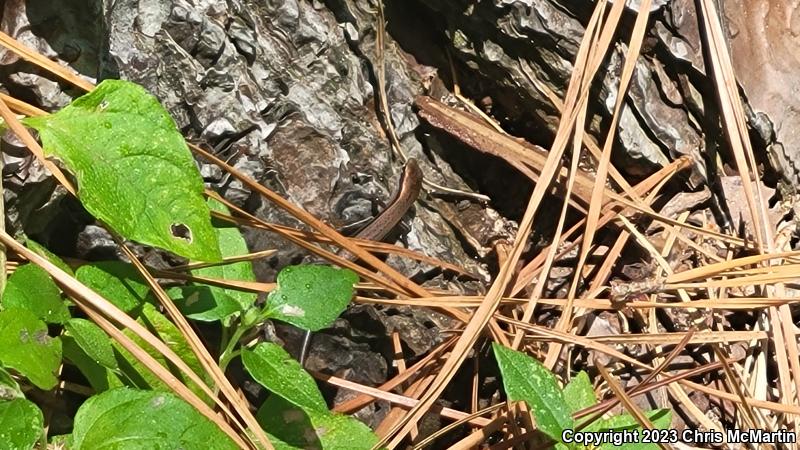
[21, 424]
[133, 168]
[311, 297]
[26, 347]
[291, 428]
[272, 367]
[116, 281]
[131, 419]
[525, 378]
[31, 288]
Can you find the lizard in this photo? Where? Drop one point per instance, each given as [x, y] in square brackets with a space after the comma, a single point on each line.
[405, 195]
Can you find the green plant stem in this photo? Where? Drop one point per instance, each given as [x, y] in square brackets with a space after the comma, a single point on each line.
[230, 351]
[246, 322]
[223, 340]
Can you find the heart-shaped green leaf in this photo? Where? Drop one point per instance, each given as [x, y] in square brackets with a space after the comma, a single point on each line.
[133, 168]
[310, 296]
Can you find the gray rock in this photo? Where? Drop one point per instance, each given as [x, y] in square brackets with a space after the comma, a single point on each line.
[533, 44]
[95, 243]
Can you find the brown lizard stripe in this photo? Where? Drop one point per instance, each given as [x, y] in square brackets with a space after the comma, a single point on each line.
[406, 194]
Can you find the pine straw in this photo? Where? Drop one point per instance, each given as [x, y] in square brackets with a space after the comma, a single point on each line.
[713, 288]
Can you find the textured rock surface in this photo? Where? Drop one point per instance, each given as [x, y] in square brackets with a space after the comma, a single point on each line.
[764, 39]
[274, 87]
[531, 54]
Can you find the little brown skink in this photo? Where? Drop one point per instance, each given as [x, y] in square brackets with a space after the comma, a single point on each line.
[404, 196]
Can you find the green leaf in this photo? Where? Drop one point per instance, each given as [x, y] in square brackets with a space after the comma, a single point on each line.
[525, 378]
[124, 419]
[21, 424]
[231, 243]
[578, 393]
[311, 297]
[660, 418]
[31, 288]
[292, 428]
[272, 367]
[159, 325]
[203, 303]
[26, 347]
[9, 388]
[116, 281]
[93, 340]
[99, 377]
[40, 250]
[133, 168]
